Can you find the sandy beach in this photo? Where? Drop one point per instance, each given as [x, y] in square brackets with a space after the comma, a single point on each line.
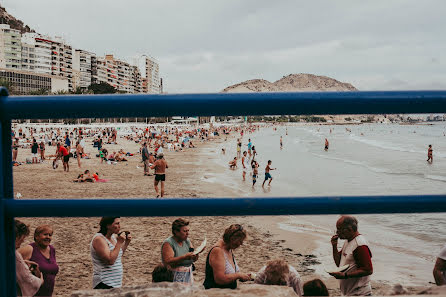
[185, 178]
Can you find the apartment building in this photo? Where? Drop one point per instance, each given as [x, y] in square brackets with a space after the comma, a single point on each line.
[152, 76]
[36, 53]
[83, 68]
[25, 82]
[10, 47]
[117, 73]
[62, 60]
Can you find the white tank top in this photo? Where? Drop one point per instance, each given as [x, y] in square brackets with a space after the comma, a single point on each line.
[110, 275]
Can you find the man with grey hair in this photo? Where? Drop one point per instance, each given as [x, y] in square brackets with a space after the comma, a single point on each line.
[354, 279]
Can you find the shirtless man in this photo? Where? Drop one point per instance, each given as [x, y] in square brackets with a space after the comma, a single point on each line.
[267, 174]
[326, 144]
[429, 154]
[160, 166]
[244, 164]
[79, 151]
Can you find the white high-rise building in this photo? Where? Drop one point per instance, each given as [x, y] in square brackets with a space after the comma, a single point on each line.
[10, 47]
[152, 76]
[82, 68]
[62, 60]
[36, 53]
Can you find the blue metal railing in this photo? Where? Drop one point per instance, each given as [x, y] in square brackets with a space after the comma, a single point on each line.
[106, 106]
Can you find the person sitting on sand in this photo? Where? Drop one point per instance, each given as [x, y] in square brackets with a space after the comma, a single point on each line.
[222, 270]
[88, 177]
[120, 158]
[279, 273]
[233, 163]
[315, 287]
[177, 252]
[162, 273]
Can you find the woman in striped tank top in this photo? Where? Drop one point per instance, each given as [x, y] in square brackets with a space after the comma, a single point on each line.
[107, 248]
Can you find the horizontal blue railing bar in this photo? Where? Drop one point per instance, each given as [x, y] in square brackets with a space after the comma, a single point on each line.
[222, 104]
[226, 206]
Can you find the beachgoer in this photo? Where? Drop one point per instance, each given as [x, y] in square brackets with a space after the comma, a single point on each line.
[15, 149]
[255, 171]
[281, 142]
[440, 268]
[239, 148]
[34, 149]
[177, 252]
[28, 275]
[107, 248]
[222, 270]
[145, 159]
[233, 163]
[429, 153]
[279, 273]
[223, 151]
[249, 147]
[267, 174]
[63, 154]
[162, 274]
[326, 144]
[79, 151]
[245, 164]
[43, 253]
[160, 166]
[42, 150]
[315, 287]
[355, 280]
[254, 152]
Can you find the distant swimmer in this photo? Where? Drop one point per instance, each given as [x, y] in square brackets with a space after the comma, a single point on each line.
[267, 174]
[326, 144]
[223, 151]
[233, 163]
[429, 154]
[281, 142]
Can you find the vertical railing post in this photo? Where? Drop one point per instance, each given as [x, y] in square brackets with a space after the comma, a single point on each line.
[7, 237]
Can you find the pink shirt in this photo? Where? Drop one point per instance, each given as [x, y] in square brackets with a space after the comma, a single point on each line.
[29, 284]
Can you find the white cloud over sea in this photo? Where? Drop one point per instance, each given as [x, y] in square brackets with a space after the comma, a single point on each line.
[206, 45]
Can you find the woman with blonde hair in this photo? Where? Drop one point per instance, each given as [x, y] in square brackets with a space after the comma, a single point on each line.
[279, 273]
[43, 253]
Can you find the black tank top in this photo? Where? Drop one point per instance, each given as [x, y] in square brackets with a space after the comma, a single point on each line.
[209, 281]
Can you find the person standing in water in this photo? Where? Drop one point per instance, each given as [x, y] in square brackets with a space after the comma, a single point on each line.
[429, 154]
[267, 174]
[326, 144]
[281, 142]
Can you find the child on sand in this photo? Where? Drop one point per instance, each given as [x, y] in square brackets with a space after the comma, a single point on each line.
[233, 163]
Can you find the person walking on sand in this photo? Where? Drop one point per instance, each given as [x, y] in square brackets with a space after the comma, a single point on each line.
[160, 166]
[145, 159]
[267, 174]
[355, 279]
[326, 144]
[429, 154]
[244, 164]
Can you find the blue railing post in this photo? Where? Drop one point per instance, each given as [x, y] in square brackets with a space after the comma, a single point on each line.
[7, 237]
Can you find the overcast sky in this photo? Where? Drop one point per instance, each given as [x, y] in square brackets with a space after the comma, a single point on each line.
[207, 45]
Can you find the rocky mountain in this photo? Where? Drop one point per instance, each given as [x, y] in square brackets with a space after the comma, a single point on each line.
[301, 82]
[6, 18]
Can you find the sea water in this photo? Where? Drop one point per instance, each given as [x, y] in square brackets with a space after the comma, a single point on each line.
[366, 159]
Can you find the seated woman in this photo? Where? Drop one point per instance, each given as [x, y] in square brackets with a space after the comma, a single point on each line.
[111, 157]
[279, 273]
[120, 158]
[28, 275]
[88, 177]
[176, 252]
[222, 270]
[99, 180]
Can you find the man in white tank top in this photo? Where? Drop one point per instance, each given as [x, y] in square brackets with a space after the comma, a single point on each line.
[354, 280]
